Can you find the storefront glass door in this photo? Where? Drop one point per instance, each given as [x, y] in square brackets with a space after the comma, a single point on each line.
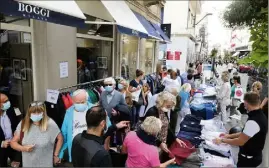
[129, 56]
[16, 68]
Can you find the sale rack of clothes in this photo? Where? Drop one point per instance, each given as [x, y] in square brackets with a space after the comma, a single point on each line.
[64, 101]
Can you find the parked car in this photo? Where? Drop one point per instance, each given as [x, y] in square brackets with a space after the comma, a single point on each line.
[245, 68]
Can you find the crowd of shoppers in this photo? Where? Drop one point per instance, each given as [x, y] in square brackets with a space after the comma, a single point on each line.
[142, 125]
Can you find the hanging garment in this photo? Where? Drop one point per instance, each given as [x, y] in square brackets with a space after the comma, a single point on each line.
[181, 153]
[56, 111]
[66, 101]
[69, 99]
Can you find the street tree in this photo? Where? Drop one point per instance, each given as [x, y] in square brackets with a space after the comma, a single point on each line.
[252, 14]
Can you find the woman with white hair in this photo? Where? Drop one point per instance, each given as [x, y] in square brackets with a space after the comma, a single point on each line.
[223, 96]
[140, 145]
[165, 102]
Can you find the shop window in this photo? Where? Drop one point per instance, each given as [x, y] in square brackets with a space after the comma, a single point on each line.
[150, 50]
[129, 56]
[14, 20]
[94, 59]
[16, 69]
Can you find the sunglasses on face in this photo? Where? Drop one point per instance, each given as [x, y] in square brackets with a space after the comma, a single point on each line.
[108, 84]
[37, 104]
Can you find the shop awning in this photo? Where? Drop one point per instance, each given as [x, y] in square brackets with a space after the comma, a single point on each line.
[126, 20]
[162, 34]
[148, 26]
[236, 54]
[60, 12]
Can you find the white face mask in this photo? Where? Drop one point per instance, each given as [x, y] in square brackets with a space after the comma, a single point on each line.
[164, 109]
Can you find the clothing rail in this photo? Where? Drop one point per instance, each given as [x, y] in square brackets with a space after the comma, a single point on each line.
[86, 83]
[81, 84]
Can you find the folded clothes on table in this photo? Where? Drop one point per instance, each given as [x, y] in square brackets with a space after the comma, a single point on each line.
[193, 161]
[210, 160]
[195, 140]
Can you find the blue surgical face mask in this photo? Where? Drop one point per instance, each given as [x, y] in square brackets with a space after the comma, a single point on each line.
[80, 107]
[109, 88]
[36, 117]
[120, 86]
[6, 106]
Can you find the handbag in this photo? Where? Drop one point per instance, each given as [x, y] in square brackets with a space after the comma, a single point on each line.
[238, 93]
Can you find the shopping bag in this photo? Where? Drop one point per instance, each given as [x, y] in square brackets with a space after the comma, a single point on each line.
[142, 111]
[135, 95]
[238, 93]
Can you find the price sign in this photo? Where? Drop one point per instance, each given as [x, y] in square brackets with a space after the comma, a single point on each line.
[52, 96]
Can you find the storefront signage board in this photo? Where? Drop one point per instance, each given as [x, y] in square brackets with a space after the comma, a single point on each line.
[21, 9]
[63, 69]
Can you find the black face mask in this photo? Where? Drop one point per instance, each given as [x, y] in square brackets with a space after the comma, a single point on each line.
[148, 139]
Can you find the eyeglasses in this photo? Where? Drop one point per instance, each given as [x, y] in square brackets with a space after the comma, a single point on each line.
[33, 104]
[108, 84]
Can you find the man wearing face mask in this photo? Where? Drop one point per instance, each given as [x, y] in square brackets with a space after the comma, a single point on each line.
[87, 148]
[8, 122]
[252, 139]
[74, 121]
[110, 98]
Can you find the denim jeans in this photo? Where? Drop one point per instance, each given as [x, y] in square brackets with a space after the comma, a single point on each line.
[135, 114]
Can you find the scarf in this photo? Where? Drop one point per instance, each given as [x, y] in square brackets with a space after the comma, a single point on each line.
[146, 138]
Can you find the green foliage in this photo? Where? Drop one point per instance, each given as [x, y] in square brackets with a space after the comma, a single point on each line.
[214, 53]
[243, 13]
[254, 15]
[259, 35]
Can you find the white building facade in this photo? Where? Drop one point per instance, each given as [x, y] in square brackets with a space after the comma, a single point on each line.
[182, 16]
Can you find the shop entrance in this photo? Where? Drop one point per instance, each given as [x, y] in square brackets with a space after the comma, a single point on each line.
[16, 68]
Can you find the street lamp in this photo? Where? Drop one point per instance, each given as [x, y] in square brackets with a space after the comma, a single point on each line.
[208, 14]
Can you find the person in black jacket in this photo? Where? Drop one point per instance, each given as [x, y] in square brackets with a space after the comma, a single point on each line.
[87, 147]
[8, 123]
[164, 103]
[252, 139]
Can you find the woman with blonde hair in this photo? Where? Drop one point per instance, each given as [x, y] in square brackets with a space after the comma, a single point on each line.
[123, 88]
[146, 155]
[223, 96]
[165, 102]
[35, 137]
[257, 87]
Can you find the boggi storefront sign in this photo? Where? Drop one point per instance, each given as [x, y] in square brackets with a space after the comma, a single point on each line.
[30, 9]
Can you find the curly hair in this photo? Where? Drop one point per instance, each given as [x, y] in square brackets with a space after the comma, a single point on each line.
[165, 97]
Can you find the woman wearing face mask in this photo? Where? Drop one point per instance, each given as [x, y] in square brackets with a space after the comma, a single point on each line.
[164, 103]
[134, 86]
[35, 137]
[122, 86]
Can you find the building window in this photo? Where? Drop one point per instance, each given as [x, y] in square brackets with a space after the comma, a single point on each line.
[94, 59]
